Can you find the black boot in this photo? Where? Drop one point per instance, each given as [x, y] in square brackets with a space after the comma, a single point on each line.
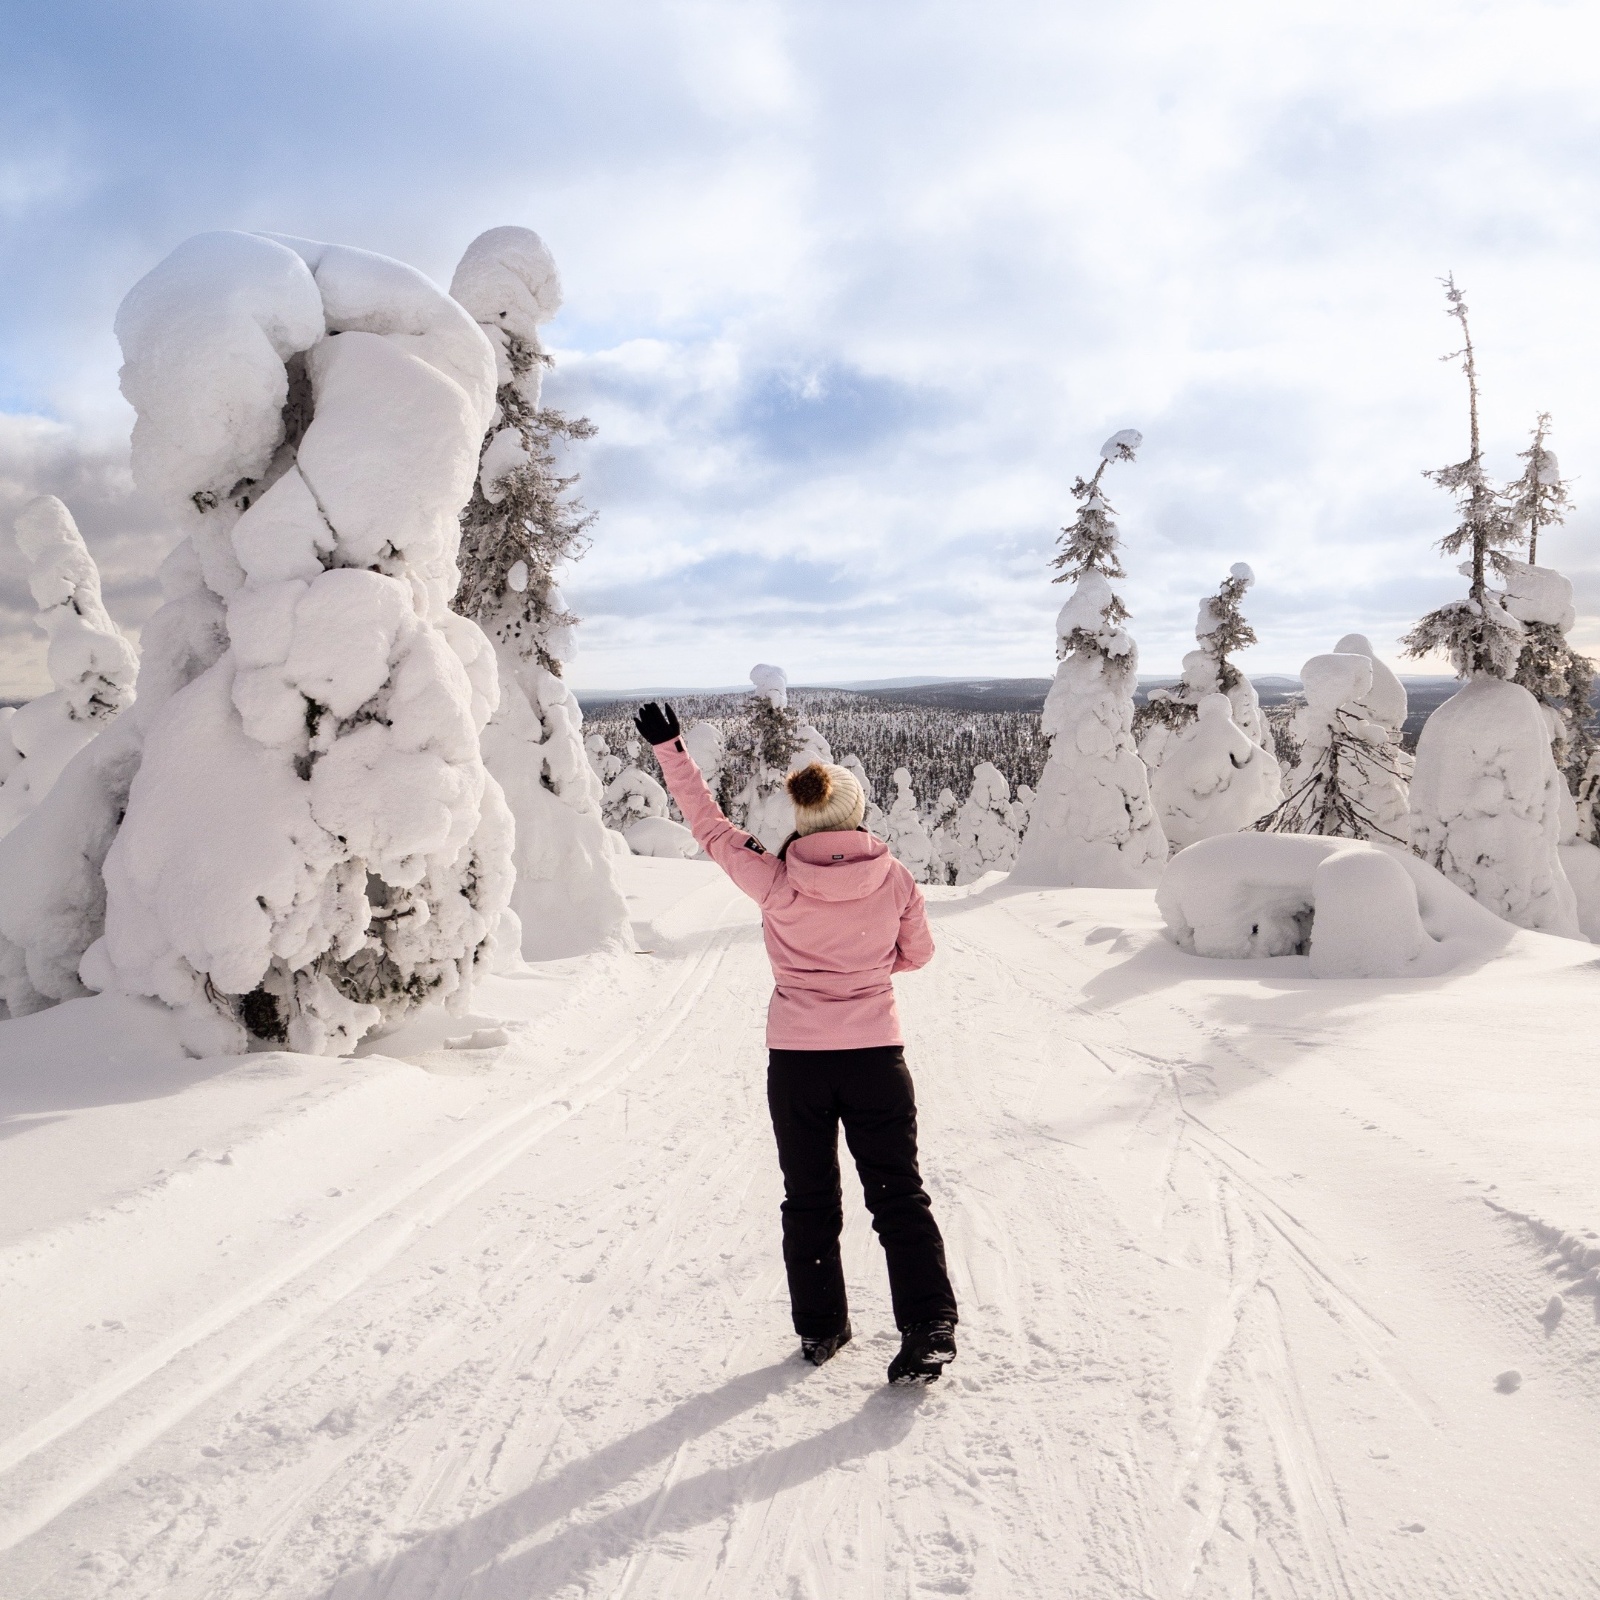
[816, 1351]
[925, 1350]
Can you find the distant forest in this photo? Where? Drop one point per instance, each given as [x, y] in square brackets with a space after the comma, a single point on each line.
[941, 731]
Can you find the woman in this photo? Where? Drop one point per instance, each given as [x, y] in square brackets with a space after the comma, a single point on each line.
[840, 916]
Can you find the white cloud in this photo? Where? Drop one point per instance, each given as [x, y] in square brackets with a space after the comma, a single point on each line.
[854, 292]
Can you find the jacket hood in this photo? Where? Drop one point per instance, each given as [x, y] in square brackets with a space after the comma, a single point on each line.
[837, 866]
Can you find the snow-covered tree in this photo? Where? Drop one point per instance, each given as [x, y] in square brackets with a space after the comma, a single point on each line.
[1092, 821]
[1021, 810]
[1386, 702]
[604, 764]
[1560, 678]
[633, 793]
[1219, 781]
[985, 838]
[638, 808]
[91, 665]
[773, 742]
[1539, 498]
[941, 825]
[1486, 796]
[707, 746]
[1220, 630]
[873, 818]
[1347, 781]
[1479, 635]
[1214, 778]
[1556, 675]
[907, 837]
[311, 843]
[1487, 804]
[517, 529]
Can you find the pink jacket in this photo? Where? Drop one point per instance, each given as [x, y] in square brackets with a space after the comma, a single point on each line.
[839, 913]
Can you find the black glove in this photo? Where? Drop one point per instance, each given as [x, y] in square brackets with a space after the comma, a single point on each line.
[655, 725]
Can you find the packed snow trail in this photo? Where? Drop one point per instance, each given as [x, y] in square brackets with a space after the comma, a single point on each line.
[1241, 1258]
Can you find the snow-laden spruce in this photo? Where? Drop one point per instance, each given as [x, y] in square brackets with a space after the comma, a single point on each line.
[52, 862]
[985, 838]
[518, 527]
[708, 746]
[637, 807]
[1560, 679]
[941, 825]
[311, 844]
[92, 666]
[1204, 742]
[1385, 702]
[1486, 796]
[907, 835]
[1349, 781]
[1092, 822]
[1557, 676]
[872, 818]
[1486, 804]
[772, 743]
[1479, 635]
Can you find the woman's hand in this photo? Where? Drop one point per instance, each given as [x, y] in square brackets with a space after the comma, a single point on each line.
[655, 725]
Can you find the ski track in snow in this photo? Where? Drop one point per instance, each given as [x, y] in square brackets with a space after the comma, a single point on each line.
[1230, 1324]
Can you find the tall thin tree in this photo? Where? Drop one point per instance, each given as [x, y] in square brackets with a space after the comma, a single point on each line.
[1478, 634]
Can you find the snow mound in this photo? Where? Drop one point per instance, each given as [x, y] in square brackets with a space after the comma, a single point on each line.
[1358, 910]
[1121, 445]
[660, 836]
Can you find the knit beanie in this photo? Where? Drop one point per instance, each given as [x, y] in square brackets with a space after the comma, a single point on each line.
[826, 799]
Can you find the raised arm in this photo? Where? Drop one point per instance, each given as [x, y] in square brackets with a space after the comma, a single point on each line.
[741, 855]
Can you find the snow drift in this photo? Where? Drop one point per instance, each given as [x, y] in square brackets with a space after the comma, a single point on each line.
[1357, 909]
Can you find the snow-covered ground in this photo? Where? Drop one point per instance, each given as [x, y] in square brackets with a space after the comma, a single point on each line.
[1270, 1286]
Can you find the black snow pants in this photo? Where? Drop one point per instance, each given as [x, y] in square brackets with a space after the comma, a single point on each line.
[810, 1092]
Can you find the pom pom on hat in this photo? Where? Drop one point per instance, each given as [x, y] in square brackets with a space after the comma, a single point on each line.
[826, 799]
[811, 786]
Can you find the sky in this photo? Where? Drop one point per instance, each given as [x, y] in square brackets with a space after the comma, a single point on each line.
[853, 293]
